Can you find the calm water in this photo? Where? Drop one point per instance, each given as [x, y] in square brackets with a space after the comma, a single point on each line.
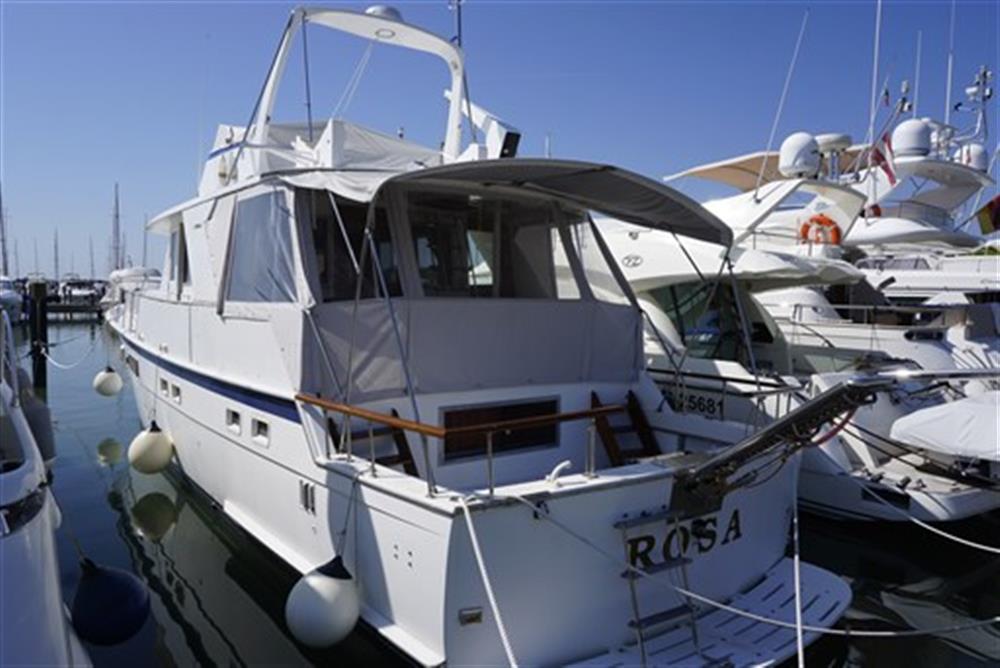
[218, 596]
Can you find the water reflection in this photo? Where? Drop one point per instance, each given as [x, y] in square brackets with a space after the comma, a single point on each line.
[906, 578]
[218, 596]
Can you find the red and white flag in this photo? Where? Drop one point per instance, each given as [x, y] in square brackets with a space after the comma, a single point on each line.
[883, 156]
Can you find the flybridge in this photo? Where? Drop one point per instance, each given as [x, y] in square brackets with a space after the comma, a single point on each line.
[242, 153]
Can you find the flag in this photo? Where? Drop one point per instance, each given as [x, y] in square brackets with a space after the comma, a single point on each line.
[989, 216]
[883, 156]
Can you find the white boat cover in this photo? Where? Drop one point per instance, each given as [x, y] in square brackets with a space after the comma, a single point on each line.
[968, 427]
[612, 191]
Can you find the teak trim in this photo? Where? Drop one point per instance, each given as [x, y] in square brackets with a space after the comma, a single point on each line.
[441, 432]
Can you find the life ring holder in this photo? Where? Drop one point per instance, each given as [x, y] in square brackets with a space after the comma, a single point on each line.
[820, 229]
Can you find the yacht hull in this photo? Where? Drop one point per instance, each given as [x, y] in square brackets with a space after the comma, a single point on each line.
[554, 552]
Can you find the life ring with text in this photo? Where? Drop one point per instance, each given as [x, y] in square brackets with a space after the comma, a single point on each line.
[820, 229]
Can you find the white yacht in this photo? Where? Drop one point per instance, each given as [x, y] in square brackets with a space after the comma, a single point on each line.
[36, 624]
[919, 186]
[708, 362]
[396, 359]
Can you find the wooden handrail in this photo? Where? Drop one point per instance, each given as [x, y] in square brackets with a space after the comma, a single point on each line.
[372, 416]
[442, 432]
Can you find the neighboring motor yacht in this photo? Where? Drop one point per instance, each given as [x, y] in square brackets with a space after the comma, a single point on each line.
[715, 350]
[36, 625]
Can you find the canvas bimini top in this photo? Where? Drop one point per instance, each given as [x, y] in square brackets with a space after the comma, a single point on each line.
[612, 191]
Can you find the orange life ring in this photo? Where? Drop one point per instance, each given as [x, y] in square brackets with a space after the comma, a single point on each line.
[820, 229]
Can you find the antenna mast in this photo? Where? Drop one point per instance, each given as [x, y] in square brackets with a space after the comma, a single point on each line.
[951, 66]
[916, 73]
[781, 103]
[36, 254]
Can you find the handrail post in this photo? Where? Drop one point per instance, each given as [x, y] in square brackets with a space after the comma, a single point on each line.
[591, 455]
[349, 439]
[371, 448]
[427, 465]
[489, 461]
[327, 437]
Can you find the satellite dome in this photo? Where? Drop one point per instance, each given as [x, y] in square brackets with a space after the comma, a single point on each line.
[799, 156]
[912, 137]
[973, 155]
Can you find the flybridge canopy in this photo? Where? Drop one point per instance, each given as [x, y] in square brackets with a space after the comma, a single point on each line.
[609, 190]
[741, 172]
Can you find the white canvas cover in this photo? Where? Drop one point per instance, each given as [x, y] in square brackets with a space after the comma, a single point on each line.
[968, 427]
[608, 190]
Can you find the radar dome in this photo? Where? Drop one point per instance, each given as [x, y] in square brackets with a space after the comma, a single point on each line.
[912, 137]
[833, 142]
[974, 155]
[799, 156]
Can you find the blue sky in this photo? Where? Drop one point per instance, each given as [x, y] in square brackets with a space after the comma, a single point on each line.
[93, 93]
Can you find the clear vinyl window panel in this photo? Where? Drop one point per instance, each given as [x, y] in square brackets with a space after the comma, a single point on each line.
[472, 245]
[261, 260]
[336, 249]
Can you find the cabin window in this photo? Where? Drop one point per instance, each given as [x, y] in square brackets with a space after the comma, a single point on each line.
[335, 259]
[183, 266]
[458, 446]
[470, 245]
[261, 260]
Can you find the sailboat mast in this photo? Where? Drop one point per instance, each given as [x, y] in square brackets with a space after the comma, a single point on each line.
[4, 268]
[55, 254]
[145, 235]
[91, 245]
[116, 248]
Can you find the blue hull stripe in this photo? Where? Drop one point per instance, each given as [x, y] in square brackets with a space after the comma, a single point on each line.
[283, 408]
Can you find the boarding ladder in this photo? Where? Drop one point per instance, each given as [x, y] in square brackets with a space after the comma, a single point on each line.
[639, 623]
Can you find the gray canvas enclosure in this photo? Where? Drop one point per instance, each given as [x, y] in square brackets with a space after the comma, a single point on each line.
[455, 342]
